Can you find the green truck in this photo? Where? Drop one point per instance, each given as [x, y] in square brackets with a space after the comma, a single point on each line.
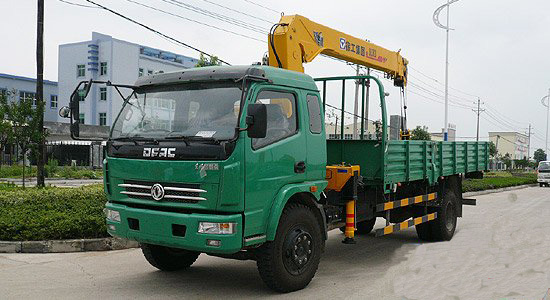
[234, 162]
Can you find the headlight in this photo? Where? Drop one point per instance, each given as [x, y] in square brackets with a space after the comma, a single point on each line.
[217, 228]
[112, 215]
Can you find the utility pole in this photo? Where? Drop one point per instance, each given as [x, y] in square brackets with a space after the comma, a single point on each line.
[529, 143]
[447, 29]
[40, 91]
[478, 112]
[356, 106]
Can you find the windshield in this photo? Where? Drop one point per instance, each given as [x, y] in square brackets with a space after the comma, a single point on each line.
[544, 165]
[192, 110]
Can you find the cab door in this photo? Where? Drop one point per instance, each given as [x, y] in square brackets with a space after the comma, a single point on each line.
[276, 160]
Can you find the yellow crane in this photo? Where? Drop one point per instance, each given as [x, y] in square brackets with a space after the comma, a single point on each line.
[296, 40]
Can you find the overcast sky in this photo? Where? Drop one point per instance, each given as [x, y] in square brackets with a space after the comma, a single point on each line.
[499, 50]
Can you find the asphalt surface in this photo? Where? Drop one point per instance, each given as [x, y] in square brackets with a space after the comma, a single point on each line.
[53, 182]
[501, 250]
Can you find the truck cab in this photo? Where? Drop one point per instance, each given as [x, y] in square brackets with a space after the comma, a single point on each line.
[201, 159]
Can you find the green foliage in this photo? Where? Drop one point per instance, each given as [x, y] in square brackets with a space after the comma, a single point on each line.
[52, 213]
[420, 133]
[507, 161]
[489, 183]
[521, 163]
[52, 167]
[539, 155]
[205, 61]
[492, 149]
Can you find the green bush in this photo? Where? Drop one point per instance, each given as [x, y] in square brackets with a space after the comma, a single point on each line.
[489, 183]
[52, 213]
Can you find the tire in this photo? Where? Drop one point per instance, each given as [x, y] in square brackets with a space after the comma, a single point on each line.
[444, 226]
[541, 184]
[290, 262]
[168, 259]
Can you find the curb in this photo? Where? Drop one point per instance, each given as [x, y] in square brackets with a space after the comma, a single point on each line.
[510, 188]
[66, 246]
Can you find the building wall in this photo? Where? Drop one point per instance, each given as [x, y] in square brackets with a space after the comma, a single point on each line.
[124, 59]
[17, 84]
[514, 143]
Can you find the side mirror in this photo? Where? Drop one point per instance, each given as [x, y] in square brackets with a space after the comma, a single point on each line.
[65, 112]
[256, 120]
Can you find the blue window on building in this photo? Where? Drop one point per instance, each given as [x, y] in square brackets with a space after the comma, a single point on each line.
[53, 101]
[102, 119]
[103, 68]
[103, 94]
[80, 70]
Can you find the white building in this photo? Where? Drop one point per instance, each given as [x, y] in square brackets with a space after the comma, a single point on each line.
[513, 143]
[107, 59]
[17, 87]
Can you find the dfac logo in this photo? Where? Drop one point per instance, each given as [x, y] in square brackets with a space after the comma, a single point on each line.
[343, 43]
[159, 152]
[157, 192]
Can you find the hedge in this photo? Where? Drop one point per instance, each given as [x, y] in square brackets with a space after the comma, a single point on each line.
[489, 183]
[52, 213]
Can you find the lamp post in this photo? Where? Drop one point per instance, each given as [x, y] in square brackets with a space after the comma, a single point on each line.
[447, 28]
[547, 104]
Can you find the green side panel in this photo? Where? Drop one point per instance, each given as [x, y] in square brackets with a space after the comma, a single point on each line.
[409, 160]
[365, 153]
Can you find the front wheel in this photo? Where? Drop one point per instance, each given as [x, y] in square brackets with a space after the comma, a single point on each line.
[168, 259]
[290, 261]
[541, 184]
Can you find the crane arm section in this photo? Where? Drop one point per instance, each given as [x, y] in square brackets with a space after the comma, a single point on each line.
[296, 40]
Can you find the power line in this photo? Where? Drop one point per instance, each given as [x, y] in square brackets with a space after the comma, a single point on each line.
[217, 16]
[194, 21]
[77, 4]
[264, 7]
[239, 12]
[155, 31]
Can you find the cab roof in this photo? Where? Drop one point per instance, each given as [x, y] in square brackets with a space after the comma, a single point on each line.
[275, 76]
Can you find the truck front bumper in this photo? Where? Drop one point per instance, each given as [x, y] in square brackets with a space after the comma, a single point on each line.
[543, 180]
[157, 227]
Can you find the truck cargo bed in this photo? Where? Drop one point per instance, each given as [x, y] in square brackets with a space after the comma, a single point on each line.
[404, 161]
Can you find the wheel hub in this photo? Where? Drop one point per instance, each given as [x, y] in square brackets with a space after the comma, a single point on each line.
[298, 250]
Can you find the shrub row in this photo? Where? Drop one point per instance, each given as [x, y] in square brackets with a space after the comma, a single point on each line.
[52, 213]
[52, 171]
[489, 183]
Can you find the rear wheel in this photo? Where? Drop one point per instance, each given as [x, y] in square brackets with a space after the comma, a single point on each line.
[290, 261]
[443, 227]
[168, 259]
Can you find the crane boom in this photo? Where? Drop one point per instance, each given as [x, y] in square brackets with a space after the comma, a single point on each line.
[296, 40]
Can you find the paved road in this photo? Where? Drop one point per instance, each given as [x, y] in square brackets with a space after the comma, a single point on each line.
[501, 250]
[54, 182]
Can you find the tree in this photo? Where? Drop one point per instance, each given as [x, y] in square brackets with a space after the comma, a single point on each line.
[24, 121]
[205, 61]
[492, 149]
[521, 163]
[420, 133]
[539, 155]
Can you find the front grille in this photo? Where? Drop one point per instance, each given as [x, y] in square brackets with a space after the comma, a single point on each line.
[173, 192]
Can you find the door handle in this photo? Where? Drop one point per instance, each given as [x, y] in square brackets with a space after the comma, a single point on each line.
[300, 167]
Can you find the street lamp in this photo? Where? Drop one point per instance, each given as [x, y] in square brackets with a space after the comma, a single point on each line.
[447, 28]
[547, 104]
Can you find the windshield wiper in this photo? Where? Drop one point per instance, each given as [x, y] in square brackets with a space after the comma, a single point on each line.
[135, 139]
[187, 138]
